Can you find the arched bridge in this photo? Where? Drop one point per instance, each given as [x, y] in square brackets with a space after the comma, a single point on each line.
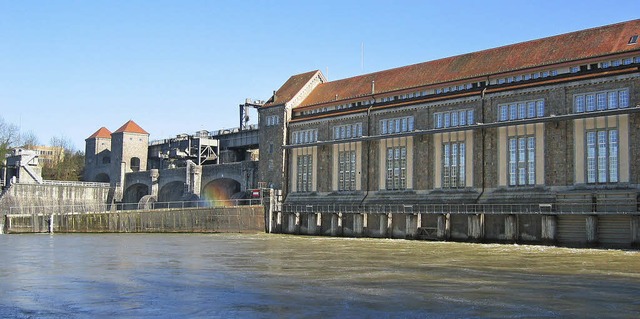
[208, 182]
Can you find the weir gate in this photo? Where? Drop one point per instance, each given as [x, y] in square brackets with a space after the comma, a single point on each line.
[161, 217]
[615, 224]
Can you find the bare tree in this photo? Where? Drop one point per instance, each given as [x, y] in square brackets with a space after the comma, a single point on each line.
[29, 140]
[9, 136]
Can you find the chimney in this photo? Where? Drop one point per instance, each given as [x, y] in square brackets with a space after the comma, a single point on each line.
[373, 87]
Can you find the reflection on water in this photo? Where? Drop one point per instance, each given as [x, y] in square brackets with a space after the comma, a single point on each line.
[280, 276]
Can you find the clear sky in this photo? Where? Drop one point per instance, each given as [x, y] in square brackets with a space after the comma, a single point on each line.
[68, 68]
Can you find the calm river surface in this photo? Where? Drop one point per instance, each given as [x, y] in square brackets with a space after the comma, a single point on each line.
[280, 276]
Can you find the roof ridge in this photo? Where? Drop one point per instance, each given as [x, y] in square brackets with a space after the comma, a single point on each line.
[131, 127]
[102, 132]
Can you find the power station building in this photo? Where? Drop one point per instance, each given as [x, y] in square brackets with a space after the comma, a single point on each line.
[548, 124]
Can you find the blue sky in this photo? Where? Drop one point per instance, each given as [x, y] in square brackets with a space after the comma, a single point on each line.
[69, 67]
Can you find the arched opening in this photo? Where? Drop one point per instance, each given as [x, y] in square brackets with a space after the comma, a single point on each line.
[133, 194]
[102, 178]
[135, 164]
[221, 192]
[171, 192]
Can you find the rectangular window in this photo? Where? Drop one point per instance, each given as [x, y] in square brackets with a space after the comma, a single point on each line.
[347, 171]
[531, 109]
[453, 165]
[579, 103]
[613, 100]
[513, 112]
[396, 168]
[600, 101]
[521, 110]
[438, 120]
[504, 113]
[602, 156]
[540, 108]
[521, 168]
[396, 125]
[453, 118]
[305, 167]
[347, 131]
[624, 98]
[304, 137]
[591, 102]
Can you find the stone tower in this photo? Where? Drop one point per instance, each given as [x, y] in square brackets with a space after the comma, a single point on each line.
[97, 161]
[274, 119]
[129, 149]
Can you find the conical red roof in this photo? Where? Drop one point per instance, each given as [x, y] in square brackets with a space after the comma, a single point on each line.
[131, 127]
[103, 132]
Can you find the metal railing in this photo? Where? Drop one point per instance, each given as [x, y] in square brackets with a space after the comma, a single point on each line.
[560, 208]
[75, 183]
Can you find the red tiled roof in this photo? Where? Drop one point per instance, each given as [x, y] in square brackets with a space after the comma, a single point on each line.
[567, 47]
[131, 127]
[290, 88]
[103, 132]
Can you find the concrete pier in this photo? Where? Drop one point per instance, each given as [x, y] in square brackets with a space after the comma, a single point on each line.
[294, 223]
[549, 229]
[411, 226]
[358, 224]
[592, 229]
[635, 230]
[511, 227]
[475, 228]
[443, 225]
[312, 224]
[576, 230]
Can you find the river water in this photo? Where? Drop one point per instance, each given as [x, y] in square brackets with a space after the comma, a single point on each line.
[283, 276]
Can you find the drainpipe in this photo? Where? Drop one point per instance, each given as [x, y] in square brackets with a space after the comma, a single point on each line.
[483, 141]
[368, 146]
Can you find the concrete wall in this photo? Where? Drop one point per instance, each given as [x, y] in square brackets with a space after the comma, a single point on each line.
[41, 197]
[199, 220]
